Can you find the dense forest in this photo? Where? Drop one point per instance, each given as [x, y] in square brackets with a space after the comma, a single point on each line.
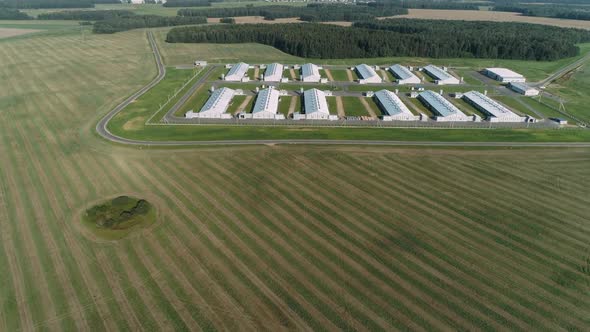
[86, 15]
[144, 21]
[400, 37]
[311, 12]
[13, 14]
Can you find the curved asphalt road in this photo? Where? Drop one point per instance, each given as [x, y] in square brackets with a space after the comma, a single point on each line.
[101, 128]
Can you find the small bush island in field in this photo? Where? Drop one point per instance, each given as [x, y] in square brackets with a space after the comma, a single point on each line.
[118, 217]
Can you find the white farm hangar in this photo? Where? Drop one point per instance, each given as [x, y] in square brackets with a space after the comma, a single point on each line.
[237, 73]
[267, 104]
[404, 75]
[440, 75]
[504, 75]
[273, 72]
[315, 106]
[393, 107]
[310, 73]
[444, 109]
[496, 112]
[367, 74]
[523, 89]
[216, 106]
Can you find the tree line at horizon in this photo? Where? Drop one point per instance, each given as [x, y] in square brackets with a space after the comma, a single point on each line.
[313, 12]
[399, 37]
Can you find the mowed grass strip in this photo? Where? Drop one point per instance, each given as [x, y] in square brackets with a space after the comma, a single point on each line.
[354, 107]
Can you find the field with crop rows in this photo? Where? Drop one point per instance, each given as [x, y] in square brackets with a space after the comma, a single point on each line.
[270, 237]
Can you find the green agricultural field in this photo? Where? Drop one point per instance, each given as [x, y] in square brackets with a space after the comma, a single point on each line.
[276, 237]
[354, 107]
[573, 88]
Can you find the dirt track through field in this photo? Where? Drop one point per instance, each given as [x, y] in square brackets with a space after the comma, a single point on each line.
[292, 105]
[340, 107]
[349, 75]
[329, 74]
[368, 108]
[256, 73]
[243, 105]
[293, 74]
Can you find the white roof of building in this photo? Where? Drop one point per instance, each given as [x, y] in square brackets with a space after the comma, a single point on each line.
[521, 86]
[440, 105]
[366, 71]
[267, 101]
[218, 101]
[309, 69]
[504, 72]
[489, 105]
[391, 103]
[315, 102]
[273, 71]
[239, 69]
[401, 72]
[438, 73]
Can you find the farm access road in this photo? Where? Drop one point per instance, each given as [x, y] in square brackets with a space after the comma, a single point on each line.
[101, 127]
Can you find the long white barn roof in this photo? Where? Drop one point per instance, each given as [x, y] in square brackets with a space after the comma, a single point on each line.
[218, 102]
[391, 103]
[438, 73]
[267, 101]
[315, 102]
[488, 105]
[439, 104]
[504, 72]
[239, 70]
[366, 71]
[402, 72]
[273, 72]
[310, 70]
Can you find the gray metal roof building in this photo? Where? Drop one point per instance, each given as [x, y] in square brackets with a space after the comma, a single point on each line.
[440, 75]
[237, 72]
[310, 73]
[367, 74]
[273, 72]
[393, 107]
[444, 109]
[404, 75]
[315, 104]
[267, 104]
[496, 112]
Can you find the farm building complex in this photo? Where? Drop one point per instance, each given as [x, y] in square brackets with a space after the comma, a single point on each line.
[267, 104]
[237, 73]
[495, 111]
[392, 107]
[504, 75]
[440, 75]
[367, 74]
[523, 89]
[273, 72]
[444, 109]
[315, 106]
[404, 75]
[310, 73]
[216, 106]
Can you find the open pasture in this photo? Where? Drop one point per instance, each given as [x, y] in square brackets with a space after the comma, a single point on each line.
[271, 237]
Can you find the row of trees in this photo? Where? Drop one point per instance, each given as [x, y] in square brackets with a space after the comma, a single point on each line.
[13, 14]
[189, 3]
[86, 15]
[143, 21]
[400, 37]
[548, 10]
[311, 12]
[431, 4]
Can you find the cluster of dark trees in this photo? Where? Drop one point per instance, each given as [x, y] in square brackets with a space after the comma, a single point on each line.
[310, 13]
[86, 15]
[143, 21]
[547, 10]
[431, 4]
[228, 20]
[189, 3]
[400, 37]
[13, 14]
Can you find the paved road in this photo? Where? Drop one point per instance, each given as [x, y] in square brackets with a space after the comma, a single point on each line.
[101, 128]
